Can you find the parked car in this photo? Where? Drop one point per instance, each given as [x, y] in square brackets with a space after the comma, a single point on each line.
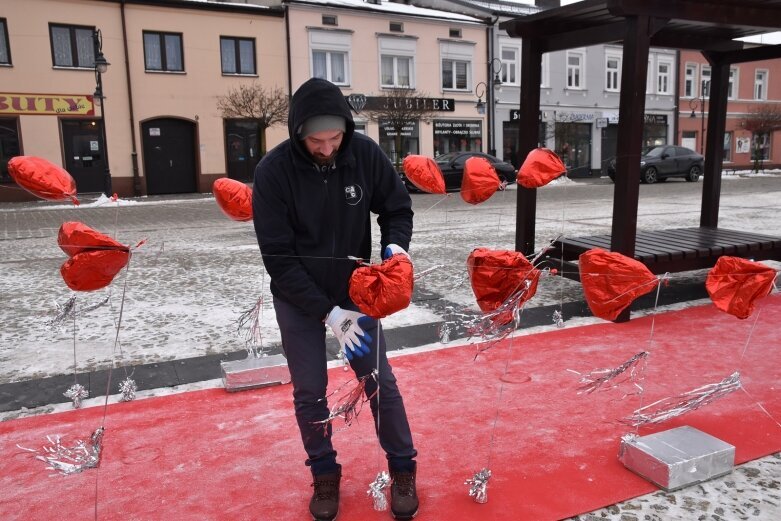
[659, 162]
[452, 167]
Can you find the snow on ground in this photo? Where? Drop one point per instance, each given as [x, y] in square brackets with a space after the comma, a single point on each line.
[187, 286]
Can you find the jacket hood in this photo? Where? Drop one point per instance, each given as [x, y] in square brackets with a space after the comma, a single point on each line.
[318, 97]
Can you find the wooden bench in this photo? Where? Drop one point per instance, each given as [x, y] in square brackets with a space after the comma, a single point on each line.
[674, 250]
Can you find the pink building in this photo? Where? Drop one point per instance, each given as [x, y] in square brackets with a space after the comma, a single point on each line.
[754, 90]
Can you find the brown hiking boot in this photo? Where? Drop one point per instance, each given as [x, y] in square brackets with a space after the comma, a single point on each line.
[404, 495]
[325, 500]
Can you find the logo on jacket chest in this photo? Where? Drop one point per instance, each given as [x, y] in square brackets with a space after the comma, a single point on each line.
[353, 194]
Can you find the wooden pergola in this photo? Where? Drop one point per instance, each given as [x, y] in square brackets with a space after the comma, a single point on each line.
[710, 26]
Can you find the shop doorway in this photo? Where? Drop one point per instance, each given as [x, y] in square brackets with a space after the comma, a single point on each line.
[9, 146]
[83, 147]
[242, 148]
[609, 146]
[169, 156]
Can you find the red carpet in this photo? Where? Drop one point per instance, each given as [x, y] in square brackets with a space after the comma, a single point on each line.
[553, 453]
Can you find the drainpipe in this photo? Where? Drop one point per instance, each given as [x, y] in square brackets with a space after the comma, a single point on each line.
[676, 108]
[289, 64]
[134, 151]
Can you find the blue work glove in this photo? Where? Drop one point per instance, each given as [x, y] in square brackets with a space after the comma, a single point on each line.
[346, 326]
[393, 249]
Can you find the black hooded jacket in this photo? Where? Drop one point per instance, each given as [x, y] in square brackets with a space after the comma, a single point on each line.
[309, 219]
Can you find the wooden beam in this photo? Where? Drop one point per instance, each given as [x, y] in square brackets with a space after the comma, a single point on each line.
[748, 13]
[697, 42]
[634, 70]
[753, 54]
[714, 144]
[531, 74]
[599, 34]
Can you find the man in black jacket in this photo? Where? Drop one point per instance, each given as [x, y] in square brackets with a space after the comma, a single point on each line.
[312, 200]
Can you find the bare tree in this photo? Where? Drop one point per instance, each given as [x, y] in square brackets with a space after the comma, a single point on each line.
[761, 119]
[269, 107]
[399, 109]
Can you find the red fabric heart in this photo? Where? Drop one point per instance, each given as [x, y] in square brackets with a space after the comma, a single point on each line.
[611, 281]
[380, 290]
[497, 274]
[735, 284]
[234, 198]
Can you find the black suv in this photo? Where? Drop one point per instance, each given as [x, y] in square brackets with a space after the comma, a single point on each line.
[659, 162]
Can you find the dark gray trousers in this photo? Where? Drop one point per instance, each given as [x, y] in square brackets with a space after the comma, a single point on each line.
[303, 341]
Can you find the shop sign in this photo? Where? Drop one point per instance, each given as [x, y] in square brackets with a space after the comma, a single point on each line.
[407, 130]
[47, 104]
[359, 102]
[458, 127]
[655, 119]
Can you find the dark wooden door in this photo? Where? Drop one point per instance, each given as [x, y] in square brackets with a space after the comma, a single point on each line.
[242, 148]
[85, 160]
[169, 156]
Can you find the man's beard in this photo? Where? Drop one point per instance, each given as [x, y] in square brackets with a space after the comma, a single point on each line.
[324, 160]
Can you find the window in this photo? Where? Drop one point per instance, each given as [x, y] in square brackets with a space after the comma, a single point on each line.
[396, 27]
[72, 46]
[649, 78]
[690, 80]
[456, 65]
[727, 152]
[612, 73]
[731, 88]
[5, 47]
[330, 20]
[705, 83]
[330, 55]
[9, 146]
[760, 84]
[760, 146]
[509, 73]
[545, 73]
[575, 70]
[455, 33]
[664, 77]
[397, 62]
[238, 55]
[163, 52]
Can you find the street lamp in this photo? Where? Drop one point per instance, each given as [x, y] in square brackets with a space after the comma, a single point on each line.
[480, 106]
[101, 66]
[496, 72]
[693, 104]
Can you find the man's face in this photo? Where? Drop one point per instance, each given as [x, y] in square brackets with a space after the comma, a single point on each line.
[323, 145]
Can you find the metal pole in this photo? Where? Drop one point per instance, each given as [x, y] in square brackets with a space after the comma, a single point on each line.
[107, 172]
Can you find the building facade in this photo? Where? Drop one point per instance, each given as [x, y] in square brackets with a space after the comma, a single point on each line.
[753, 110]
[169, 62]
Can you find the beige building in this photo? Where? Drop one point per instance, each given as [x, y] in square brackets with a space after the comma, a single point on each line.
[170, 60]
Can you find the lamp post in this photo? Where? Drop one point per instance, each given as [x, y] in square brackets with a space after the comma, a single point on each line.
[495, 82]
[693, 104]
[101, 66]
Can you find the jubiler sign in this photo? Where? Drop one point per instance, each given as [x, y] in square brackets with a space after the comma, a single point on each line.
[359, 102]
[46, 104]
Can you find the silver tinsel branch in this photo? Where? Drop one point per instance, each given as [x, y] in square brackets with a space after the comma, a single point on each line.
[377, 491]
[77, 393]
[444, 333]
[69, 310]
[249, 328]
[127, 390]
[558, 318]
[667, 408]
[348, 406]
[594, 380]
[417, 276]
[70, 460]
[478, 486]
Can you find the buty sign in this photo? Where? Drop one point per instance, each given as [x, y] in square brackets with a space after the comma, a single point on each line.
[47, 104]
